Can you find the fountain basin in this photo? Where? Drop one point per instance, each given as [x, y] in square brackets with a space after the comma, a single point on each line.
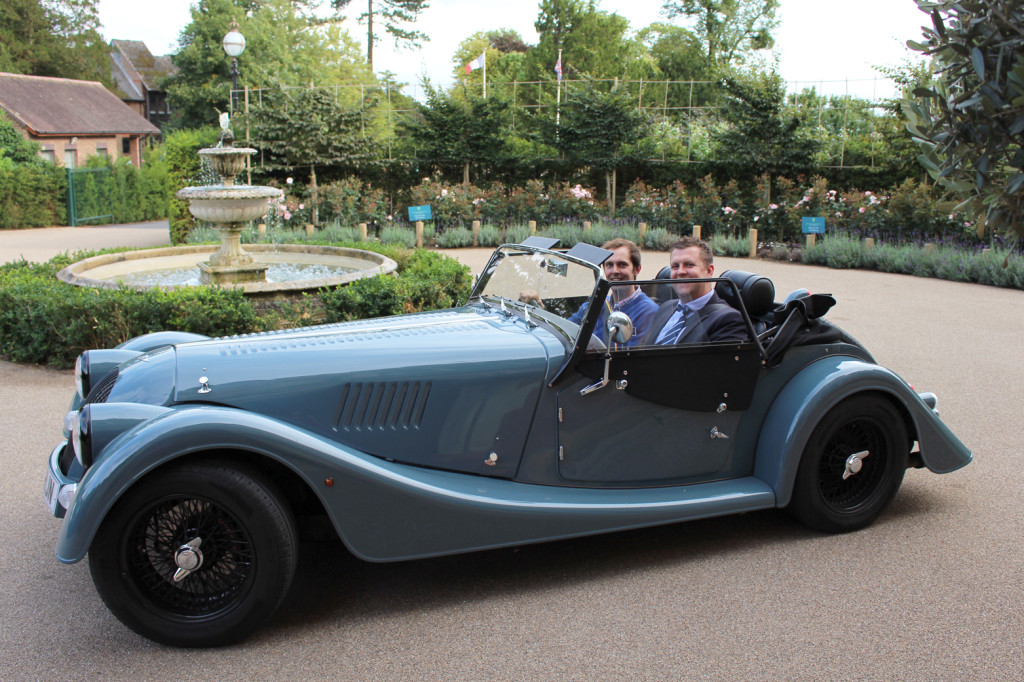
[326, 266]
[228, 204]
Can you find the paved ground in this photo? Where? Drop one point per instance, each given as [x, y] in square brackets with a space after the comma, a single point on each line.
[932, 591]
[43, 244]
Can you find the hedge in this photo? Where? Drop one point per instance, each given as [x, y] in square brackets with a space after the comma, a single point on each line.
[48, 322]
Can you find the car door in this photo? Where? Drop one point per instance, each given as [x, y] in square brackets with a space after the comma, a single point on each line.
[667, 415]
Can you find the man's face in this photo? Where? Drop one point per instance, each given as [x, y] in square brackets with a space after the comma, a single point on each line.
[619, 268]
[687, 264]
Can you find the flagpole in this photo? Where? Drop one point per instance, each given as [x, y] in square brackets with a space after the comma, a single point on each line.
[485, 73]
[558, 92]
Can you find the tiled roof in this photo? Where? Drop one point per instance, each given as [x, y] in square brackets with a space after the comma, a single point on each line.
[58, 106]
[142, 65]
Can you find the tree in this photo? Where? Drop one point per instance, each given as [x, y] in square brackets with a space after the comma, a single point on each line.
[729, 30]
[394, 13]
[969, 123]
[306, 128]
[286, 45]
[593, 43]
[454, 131]
[761, 141]
[14, 146]
[599, 128]
[679, 56]
[57, 38]
[505, 51]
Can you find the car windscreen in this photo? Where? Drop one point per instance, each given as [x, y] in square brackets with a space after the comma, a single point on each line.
[543, 284]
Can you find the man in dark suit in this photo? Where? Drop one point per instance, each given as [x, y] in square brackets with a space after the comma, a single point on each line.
[699, 316]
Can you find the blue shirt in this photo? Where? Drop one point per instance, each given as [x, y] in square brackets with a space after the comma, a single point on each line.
[638, 306]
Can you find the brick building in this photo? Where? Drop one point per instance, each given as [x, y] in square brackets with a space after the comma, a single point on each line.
[73, 120]
[138, 75]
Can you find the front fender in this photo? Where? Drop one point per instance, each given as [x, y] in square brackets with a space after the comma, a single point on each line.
[816, 389]
[177, 433]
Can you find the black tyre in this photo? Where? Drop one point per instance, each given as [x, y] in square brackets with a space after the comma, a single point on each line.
[197, 555]
[852, 466]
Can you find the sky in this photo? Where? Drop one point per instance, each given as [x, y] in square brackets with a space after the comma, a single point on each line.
[830, 44]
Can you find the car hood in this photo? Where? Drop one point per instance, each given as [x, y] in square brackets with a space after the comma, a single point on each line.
[444, 389]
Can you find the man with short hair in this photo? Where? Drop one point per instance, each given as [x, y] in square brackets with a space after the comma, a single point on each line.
[622, 266]
[699, 316]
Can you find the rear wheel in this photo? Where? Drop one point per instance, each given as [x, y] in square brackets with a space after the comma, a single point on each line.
[852, 466]
[197, 555]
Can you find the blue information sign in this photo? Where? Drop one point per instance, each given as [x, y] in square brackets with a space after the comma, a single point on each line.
[813, 225]
[420, 213]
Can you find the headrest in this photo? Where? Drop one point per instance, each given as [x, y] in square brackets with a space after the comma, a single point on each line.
[757, 291]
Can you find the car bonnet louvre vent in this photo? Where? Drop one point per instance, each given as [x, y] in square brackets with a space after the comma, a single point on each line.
[372, 335]
[101, 391]
[382, 405]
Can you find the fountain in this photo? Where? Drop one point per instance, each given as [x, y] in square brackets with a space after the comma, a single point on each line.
[229, 208]
[265, 270]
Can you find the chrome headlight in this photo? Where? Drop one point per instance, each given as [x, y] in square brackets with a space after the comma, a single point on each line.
[81, 441]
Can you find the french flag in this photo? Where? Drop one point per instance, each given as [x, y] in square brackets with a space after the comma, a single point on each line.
[477, 63]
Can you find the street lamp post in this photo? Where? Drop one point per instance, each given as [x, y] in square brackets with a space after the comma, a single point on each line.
[234, 46]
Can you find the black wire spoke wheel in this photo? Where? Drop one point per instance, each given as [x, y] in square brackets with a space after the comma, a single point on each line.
[196, 555]
[155, 538]
[852, 466]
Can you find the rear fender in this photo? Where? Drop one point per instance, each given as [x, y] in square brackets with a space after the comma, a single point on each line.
[816, 389]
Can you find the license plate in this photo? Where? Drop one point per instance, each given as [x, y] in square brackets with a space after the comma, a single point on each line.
[50, 491]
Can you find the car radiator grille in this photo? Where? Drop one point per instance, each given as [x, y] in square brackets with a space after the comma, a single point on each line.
[101, 391]
[382, 405]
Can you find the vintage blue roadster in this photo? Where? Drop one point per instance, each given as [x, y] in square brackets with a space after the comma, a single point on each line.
[191, 465]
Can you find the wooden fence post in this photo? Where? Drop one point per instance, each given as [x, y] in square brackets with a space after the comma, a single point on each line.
[419, 234]
[696, 231]
[362, 232]
[752, 237]
[476, 232]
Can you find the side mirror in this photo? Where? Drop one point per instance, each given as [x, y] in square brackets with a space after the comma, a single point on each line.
[618, 328]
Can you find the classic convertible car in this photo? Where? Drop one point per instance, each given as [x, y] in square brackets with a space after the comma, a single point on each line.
[191, 465]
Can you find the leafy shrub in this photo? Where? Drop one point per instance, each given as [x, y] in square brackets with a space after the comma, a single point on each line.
[490, 235]
[733, 247]
[429, 281]
[659, 239]
[515, 234]
[455, 237]
[185, 169]
[45, 321]
[398, 235]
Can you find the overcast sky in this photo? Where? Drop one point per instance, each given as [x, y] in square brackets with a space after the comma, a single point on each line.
[832, 44]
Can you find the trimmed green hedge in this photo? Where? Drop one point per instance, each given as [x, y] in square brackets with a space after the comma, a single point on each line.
[45, 321]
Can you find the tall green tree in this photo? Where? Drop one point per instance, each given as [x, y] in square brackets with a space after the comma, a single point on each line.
[599, 128]
[969, 123]
[506, 53]
[393, 14]
[58, 38]
[308, 128]
[678, 55]
[453, 131]
[762, 140]
[14, 146]
[729, 30]
[286, 45]
[593, 43]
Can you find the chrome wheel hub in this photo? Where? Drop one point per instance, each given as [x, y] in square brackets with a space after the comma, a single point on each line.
[188, 558]
[854, 463]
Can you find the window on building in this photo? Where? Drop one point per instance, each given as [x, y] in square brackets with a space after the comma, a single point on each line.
[126, 146]
[46, 155]
[70, 157]
[101, 152]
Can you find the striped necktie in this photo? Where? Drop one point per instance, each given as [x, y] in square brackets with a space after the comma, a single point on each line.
[672, 334]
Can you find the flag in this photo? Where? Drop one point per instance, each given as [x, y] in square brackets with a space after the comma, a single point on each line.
[477, 63]
[558, 66]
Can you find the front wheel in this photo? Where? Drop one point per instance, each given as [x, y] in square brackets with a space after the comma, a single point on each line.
[852, 466]
[196, 555]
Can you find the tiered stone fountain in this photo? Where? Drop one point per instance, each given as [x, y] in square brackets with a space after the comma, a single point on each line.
[230, 208]
[293, 268]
